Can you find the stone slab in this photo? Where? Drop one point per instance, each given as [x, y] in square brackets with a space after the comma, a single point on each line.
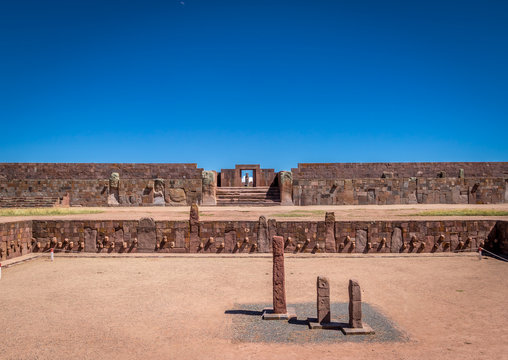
[269, 315]
[365, 330]
[334, 325]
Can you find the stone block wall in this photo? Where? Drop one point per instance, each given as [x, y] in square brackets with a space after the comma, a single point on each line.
[255, 236]
[329, 236]
[43, 184]
[15, 239]
[386, 191]
[88, 184]
[400, 170]
[66, 171]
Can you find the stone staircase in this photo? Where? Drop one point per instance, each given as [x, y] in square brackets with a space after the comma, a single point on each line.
[248, 196]
[28, 201]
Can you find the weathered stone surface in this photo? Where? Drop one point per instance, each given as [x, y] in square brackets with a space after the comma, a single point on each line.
[147, 235]
[177, 195]
[279, 280]
[323, 300]
[90, 240]
[263, 242]
[158, 192]
[361, 240]
[396, 243]
[286, 187]
[113, 193]
[355, 304]
[330, 245]
[194, 228]
[209, 189]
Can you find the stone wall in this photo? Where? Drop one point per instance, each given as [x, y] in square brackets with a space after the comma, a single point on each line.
[383, 191]
[132, 192]
[43, 184]
[255, 236]
[329, 236]
[15, 239]
[99, 171]
[401, 170]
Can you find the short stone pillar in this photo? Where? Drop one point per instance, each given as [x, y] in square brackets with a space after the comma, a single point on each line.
[285, 179]
[324, 316]
[279, 310]
[355, 325]
[355, 304]
[209, 187]
[323, 300]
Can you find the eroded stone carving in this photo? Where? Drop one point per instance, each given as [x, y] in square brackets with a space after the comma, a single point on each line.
[177, 195]
[114, 184]
[355, 304]
[158, 192]
[286, 187]
[323, 300]
[209, 187]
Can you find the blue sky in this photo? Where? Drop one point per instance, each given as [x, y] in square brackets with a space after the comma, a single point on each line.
[272, 82]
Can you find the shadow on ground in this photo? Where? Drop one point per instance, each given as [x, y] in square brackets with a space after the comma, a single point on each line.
[247, 325]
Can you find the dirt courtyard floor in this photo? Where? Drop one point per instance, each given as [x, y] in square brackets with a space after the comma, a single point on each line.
[173, 307]
[282, 213]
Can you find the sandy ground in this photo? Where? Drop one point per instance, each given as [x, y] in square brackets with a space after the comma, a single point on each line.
[344, 212]
[173, 307]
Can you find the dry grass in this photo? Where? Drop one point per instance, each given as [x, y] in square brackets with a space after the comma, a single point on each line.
[462, 212]
[300, 213]
[46, 211]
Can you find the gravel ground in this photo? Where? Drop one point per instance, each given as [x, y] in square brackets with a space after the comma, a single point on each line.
[249, 327]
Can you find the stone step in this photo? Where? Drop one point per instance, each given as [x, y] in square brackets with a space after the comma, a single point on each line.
[31, 201]
[248, 196]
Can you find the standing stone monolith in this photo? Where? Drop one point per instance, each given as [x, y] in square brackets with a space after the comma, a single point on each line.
[279, 280]
[355, 325]
[330, 245]
[355, 304]
[324, 315]
[285, 179]
[194, 240]
[280, 310]
[323, 300]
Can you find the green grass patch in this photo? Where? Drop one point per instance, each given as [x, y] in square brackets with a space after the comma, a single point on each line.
[300, 213]
[46, 211]
[462, 212]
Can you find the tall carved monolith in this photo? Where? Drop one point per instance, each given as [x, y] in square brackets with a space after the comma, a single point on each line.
[280, 310]
[209, 187]
[279, 280]
[285, 179]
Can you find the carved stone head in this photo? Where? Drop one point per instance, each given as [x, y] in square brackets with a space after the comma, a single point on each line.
[114, 180]
[208, 177]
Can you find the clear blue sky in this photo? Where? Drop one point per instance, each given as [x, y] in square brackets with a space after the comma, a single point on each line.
[270, 82]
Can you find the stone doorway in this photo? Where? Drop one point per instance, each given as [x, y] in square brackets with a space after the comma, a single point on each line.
[247, 177]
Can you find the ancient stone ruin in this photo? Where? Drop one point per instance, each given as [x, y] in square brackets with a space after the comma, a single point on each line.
[355, 325]
[324, 316]
[45, 184]
[280, 311]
